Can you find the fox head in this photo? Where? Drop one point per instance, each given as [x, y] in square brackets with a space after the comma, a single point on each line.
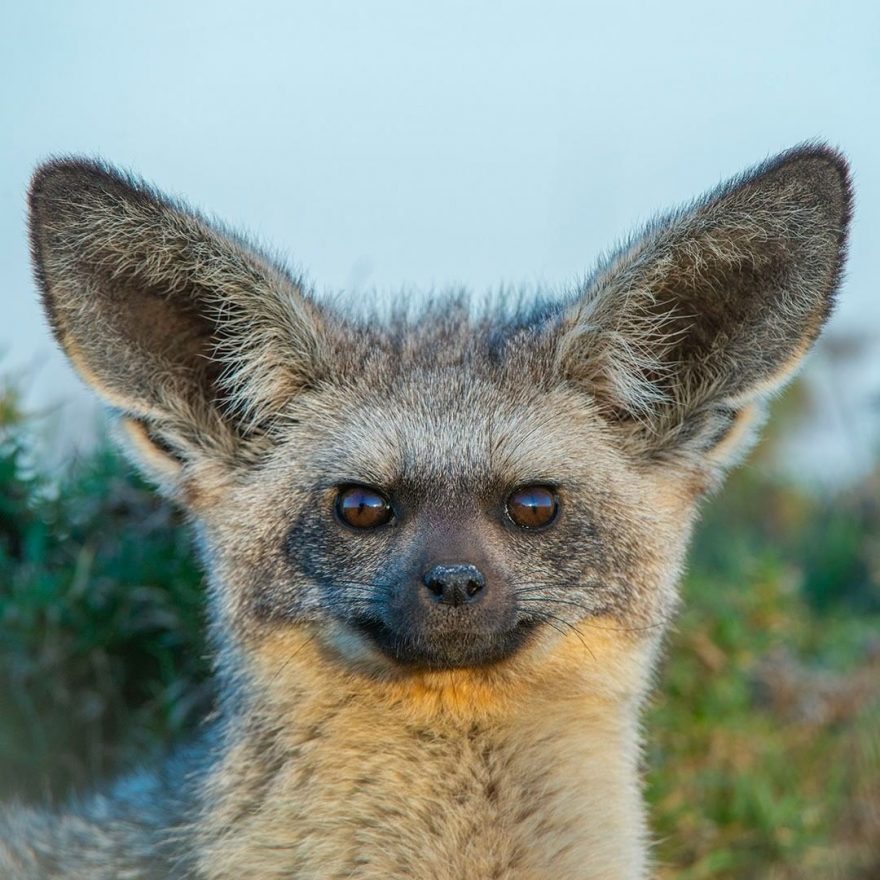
[450, 487]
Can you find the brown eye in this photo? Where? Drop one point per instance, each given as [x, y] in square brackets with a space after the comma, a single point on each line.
[531, 507]
[363, 508]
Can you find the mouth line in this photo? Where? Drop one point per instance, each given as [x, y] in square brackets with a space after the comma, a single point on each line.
[459, 650]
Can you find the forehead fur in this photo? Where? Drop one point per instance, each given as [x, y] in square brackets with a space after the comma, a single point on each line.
[450, 394]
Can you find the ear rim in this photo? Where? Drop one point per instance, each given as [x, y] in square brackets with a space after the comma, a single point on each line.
[792, 173]
[57, 176]
[814, 150]
[161, 466]
[59, 169]
[61, 184]
[820, 153]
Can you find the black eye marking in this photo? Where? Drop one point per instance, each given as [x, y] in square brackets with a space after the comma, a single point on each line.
[363, 507]
[532, 507]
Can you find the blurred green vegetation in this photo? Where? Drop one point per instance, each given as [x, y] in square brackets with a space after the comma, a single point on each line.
[763, 749]
[102, 651]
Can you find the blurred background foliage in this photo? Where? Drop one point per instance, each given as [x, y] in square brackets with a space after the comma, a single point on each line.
[763, 738]
[102, 649]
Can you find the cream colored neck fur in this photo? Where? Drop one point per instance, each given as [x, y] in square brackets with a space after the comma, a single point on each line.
[530, 772]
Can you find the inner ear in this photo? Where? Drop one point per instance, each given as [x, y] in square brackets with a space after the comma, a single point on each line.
[154, 340]
[711, 307]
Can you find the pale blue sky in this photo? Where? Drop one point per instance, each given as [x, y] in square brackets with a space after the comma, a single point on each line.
[389, 145]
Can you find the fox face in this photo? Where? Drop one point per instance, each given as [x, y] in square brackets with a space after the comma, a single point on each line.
[453, 486]
[445, 515]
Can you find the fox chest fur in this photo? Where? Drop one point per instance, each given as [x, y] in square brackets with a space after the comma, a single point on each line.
[437, 779]
[442, 543]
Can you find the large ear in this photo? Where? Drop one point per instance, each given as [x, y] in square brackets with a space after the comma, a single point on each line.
[193, 336]
[684, 333]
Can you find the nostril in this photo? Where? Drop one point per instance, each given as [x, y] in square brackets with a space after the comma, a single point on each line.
[434, 584]
[454, 584]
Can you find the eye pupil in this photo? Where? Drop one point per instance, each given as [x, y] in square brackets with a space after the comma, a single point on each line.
[363, 508]
[532, 507]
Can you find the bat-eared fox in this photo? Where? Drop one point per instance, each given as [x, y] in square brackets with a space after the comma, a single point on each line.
[442, 541]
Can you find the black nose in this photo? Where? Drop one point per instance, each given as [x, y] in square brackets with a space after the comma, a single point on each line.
[455, 584]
